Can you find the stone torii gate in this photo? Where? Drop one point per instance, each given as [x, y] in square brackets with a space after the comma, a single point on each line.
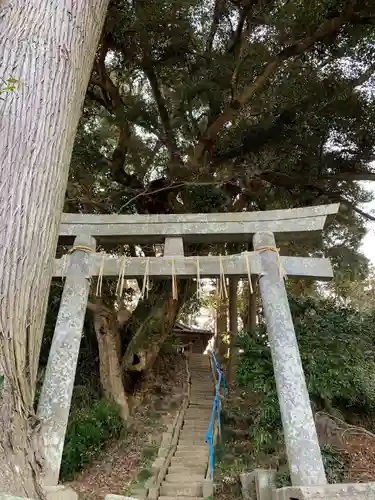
[85, 231]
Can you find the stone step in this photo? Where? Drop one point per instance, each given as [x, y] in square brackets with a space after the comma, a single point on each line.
[184, 477]
[198, 412]
[197, 447]
[180, 498]
[191, 454]
[200, 404]
[181, 490]
[192, 451]
[200, 441]
[205, 401]
[197, 418]
[204, 408]
[187, 469]
[202, 394]
[201, 413]
[189, 461]
[202, 384]
[196, 421]
[194, 437]
[191, 432]
[192, 429]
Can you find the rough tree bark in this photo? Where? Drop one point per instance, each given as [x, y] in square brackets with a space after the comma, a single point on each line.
[48, 48]
[148, 327]
[233, 329]
[152, 322]
[249, 315]
[107, 324]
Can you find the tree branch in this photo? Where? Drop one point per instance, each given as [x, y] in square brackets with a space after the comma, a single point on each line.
[359, 211]
[219, 10]
[238, 47]
[351, 176]
[328, 27]
[285, 181]
[118, 109]
[163, 112]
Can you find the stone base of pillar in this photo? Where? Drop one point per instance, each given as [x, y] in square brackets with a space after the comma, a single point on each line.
[208, 489]
[118, 497]
[257, 485]
[352, 491]
[59, 492]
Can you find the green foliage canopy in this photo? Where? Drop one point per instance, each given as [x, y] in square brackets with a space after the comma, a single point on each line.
[227, 105]
[337, 346]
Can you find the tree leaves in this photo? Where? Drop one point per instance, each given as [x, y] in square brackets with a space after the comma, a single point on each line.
[337, 346]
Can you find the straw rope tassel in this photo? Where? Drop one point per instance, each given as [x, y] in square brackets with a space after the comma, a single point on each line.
[121, 278]
[174, 282]
[199, 285]
[249, 272]
[99, 283]
[282, 272]
[223, 285]
[146, 279]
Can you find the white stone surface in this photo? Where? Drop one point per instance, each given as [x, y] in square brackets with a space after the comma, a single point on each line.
[365, 491]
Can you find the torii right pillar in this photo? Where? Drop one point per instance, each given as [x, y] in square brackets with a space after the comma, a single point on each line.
[301, 440]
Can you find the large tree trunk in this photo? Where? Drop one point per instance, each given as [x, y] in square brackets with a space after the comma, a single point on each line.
[152, 322]
[249, 314]
[109, 343]
[233, 329]
[48, 48]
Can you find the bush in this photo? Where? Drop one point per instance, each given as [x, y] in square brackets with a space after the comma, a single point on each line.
[337, 351]
[89, 429]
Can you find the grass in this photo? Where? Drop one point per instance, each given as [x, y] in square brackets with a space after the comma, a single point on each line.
[89, 431]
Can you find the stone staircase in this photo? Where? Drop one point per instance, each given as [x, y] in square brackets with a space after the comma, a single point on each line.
[186, 475]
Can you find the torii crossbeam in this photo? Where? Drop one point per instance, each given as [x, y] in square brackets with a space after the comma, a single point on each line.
[85, 231]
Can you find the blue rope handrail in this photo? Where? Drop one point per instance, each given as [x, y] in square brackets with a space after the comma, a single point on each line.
[215, 409]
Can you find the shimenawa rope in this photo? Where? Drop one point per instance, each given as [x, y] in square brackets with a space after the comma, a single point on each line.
[271, 248]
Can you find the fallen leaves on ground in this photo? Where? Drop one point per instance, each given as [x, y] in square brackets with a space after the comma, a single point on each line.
[118, 465]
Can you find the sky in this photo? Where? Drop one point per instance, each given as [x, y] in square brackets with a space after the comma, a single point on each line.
[369, 240]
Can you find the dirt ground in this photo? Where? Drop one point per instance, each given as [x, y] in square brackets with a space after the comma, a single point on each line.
[119, 465]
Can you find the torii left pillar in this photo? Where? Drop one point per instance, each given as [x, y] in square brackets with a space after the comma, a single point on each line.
[56, 395]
